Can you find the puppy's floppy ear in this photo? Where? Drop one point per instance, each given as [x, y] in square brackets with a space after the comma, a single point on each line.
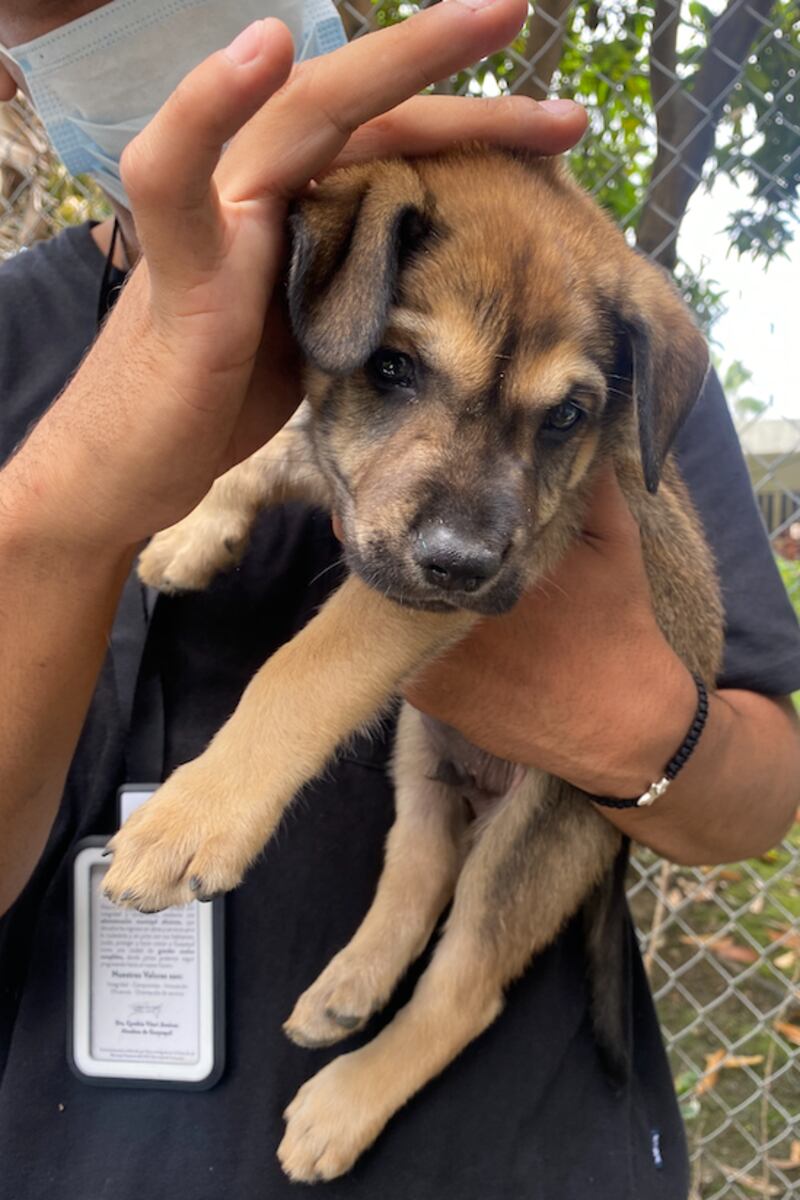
[351, 237]
[664, 355]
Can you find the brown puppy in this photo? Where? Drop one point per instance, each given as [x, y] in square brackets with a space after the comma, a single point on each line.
[479, 340]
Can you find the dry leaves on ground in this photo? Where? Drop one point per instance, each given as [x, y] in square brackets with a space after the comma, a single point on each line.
[760, 1186]
[790, 1032]
[792, 1162]
[723, 947]
[788, 937]
[720, 1060]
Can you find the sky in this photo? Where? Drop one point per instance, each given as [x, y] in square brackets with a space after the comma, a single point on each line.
[761, 327]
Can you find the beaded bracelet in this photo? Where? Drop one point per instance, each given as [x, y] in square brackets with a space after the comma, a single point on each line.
[674, 765]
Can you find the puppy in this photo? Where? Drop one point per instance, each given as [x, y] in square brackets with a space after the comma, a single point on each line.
[480, 340]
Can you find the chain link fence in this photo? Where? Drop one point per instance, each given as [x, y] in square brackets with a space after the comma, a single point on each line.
[681, 96]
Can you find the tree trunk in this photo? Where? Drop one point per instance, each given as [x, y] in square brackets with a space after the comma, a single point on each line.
[545, 46]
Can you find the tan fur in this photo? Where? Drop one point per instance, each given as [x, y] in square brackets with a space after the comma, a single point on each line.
[213, 816]
[424, 854]
[215, 535]
[521, 296]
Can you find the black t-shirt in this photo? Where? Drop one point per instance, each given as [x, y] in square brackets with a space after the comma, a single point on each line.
[525, 1111]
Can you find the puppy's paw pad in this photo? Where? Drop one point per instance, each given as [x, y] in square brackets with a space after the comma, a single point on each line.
[347, 1021]
[338, 1004]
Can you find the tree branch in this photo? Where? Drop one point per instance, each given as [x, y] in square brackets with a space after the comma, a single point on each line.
[732, 35]
[686, 133]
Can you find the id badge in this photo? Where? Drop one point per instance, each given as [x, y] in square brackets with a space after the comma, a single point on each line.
[146, 988]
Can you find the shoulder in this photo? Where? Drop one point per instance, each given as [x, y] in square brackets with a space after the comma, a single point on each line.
[48, 303]
[71, 254]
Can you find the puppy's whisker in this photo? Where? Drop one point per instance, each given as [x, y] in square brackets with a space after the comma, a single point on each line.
[330, 567]
[544, 585]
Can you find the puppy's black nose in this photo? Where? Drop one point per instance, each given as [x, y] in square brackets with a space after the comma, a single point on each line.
[455, 560]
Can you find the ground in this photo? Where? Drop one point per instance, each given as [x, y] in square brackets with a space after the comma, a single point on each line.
[723, 951]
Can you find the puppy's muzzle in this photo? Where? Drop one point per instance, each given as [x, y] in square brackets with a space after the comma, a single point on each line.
[456, 560]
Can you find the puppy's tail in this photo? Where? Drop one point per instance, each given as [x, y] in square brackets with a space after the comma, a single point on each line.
[606, 934]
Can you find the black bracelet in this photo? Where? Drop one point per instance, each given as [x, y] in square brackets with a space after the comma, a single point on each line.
[674, 765]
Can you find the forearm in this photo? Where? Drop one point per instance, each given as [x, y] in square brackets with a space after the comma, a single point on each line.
[57, 603]
[608, 730]
[126, 449]
[738, 793]
[75, 501]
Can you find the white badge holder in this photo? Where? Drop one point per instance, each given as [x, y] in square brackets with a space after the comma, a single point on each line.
[146, 990]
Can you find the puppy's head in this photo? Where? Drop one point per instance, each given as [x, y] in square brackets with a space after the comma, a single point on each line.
[478, 334]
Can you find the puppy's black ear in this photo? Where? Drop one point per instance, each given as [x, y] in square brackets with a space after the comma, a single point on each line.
[350, 238]
[663, 355]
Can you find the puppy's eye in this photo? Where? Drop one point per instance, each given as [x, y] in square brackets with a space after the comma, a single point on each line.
[392, 368]
[564, 418]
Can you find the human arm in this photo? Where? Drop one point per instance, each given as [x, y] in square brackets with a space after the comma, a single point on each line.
[172, 393]
[738, 794]
[579, 681]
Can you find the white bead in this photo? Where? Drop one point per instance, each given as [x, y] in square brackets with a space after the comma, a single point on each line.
[653, 792]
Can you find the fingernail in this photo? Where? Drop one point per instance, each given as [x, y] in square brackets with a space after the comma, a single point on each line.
[244, 48]
[559, 108]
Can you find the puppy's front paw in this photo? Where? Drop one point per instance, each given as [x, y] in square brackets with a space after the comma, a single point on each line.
[337, 1004]
[331, 1121]
[187, 556]
[181, 845]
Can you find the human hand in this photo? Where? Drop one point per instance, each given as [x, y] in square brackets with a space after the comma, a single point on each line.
[577, 679]
[184, 381]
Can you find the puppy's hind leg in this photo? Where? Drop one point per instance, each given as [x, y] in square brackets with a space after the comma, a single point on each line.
[423, 857]
[539, 856]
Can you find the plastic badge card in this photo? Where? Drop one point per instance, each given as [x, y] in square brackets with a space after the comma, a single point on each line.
[147, 994]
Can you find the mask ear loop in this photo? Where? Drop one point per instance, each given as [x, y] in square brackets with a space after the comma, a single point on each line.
[108, 290]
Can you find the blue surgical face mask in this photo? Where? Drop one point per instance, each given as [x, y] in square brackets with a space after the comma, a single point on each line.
[97, 81]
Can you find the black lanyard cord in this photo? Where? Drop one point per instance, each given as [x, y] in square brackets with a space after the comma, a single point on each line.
[112, 280]
[136, 656]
